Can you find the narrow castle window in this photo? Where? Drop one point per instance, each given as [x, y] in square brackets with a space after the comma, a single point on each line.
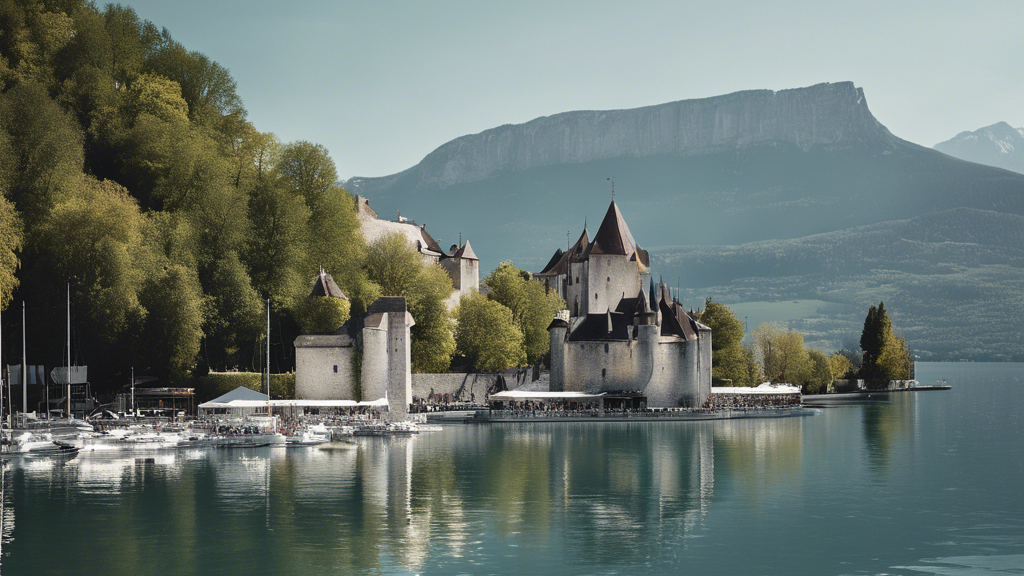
[604, 371]
[595, 295]
[605, 351]
[335, 368]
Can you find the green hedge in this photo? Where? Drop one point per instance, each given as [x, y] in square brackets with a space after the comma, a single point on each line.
[214, 384]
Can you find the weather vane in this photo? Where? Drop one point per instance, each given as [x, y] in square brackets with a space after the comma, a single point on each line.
[612, 180]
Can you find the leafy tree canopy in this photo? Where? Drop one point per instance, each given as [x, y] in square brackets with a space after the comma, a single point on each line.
[532, 306]
[486, 335]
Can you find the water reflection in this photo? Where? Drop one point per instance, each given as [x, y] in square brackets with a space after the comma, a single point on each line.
[382, 504]
[884, 425]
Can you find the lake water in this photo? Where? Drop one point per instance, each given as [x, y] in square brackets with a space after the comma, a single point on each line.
[930, 483]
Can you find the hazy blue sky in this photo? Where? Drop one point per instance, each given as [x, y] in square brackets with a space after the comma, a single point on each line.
[381, 84]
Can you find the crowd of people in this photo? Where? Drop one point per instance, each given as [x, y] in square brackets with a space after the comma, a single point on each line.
[444, 402]
[753, 401]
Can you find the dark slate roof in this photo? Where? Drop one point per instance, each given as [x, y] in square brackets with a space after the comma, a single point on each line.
[595, 327]
[387, 304]
[626, 306]
[429, 242]
[576, 253]
[555, 260]
[613, 237]
[466, 252]
[558, 323]
[324, 285]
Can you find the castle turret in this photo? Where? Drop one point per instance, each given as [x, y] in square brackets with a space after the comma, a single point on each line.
[557, 331]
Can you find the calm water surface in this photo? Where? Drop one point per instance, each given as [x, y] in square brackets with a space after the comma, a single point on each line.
[930, 483]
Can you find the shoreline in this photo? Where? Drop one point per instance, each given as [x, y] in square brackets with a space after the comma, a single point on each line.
[484, 417]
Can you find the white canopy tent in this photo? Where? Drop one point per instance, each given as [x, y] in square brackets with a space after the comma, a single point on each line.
[240, 404]
[766, 388]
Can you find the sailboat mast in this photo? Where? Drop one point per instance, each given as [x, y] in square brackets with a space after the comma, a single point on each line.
[67, 376]
[24, 365]
[1, 374]
[133, 391]
[268, 357]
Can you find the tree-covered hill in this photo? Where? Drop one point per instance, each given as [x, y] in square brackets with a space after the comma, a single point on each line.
[128, 170]
[952, 279]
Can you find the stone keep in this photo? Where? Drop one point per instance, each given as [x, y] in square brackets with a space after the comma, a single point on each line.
[325, 364]
[615, 337]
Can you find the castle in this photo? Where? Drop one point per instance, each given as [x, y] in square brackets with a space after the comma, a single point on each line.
[460, 262]
[369, 358]
[639, 348]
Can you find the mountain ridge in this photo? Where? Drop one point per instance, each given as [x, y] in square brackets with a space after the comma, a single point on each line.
[826, 114]
[816, 188]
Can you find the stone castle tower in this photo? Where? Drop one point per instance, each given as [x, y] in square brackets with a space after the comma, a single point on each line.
[616, 337]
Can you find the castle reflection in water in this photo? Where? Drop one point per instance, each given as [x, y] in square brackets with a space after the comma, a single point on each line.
[398, 501]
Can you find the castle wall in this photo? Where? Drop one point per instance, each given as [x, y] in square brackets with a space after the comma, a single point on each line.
[611, 277]
[556, 380]
[674, 381]
[602, 366]
[703, 367]
[374, 372]
[399, 368]
[577, 290]
[323, 368]
[476, 383]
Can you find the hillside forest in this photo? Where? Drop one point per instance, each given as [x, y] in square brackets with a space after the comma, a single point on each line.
[132, 179]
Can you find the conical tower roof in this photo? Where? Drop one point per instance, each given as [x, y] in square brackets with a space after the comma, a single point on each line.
[613, 237]
[324, 285]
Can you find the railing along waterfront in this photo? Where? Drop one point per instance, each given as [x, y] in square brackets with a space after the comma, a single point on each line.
[644, 414]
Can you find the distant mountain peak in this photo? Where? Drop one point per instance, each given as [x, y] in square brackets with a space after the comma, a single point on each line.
[828, 114]
[999, 145]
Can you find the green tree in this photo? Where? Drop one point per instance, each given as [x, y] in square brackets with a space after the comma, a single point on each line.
[32, 37]
[392, 264]
[531, 305]
[486, 335]
[782, 354]
[11, 238]
[886, 356]
[321, 314]
[93, 240]
[173, 301]
[819, 375]
[728, 361]
[44, 156]
[433, 342]
[398, 269]
[275, 251]
[233, 314]
[895, 361]
[158, 97]
[840, 365]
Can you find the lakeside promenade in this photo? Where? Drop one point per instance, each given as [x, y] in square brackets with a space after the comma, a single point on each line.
[508, 416]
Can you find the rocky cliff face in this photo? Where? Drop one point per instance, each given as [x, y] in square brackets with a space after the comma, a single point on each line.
[999, 145]
[828, 115]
